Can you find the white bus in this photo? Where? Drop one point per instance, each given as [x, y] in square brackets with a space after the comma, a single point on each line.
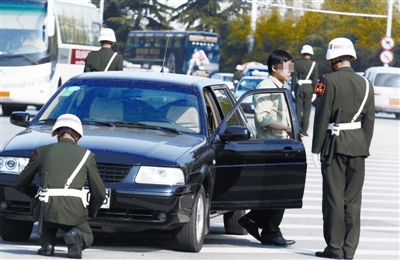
[42, 44]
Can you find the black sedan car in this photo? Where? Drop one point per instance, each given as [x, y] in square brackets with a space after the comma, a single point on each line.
[172, 151]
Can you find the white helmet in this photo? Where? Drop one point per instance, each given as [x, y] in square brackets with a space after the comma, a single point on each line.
[107, 34]
[340, 47]
[68, 120]
[307, 49]
[239, 67]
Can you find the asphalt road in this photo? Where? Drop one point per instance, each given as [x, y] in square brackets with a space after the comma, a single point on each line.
[380, 222]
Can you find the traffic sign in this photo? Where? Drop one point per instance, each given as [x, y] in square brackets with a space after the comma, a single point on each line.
[387, 43]
[386, 57]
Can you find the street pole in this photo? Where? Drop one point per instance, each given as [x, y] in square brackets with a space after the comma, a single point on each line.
[389, 22]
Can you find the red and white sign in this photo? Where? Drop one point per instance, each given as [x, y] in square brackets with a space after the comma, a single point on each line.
[78, 56]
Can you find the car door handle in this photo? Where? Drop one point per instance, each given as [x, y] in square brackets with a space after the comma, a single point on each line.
[289, 152]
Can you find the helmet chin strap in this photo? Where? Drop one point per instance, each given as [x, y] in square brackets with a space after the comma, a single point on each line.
[340, 59]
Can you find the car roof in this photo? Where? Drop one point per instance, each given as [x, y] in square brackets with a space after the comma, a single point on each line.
[253, 77]
[375, 70]
[185, 80]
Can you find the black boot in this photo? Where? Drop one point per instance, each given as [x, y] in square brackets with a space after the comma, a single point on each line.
[46, 250]
[73, 241]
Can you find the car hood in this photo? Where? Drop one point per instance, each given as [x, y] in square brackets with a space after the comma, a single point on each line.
[114, 144]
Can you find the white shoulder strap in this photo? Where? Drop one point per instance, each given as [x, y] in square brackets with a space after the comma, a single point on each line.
[109, 63]
[71, 178]
[363, 103]
[311, 69]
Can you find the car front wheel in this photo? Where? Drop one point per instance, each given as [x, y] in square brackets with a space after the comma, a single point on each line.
[190, 237]
[15, 230]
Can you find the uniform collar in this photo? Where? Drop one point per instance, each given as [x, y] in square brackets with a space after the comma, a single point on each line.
[277, 83]
[66, 140]
[345, 69]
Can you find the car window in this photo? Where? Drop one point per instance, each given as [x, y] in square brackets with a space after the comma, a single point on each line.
[122, 101]
[248, 84]
[226, 105]
[387, 80]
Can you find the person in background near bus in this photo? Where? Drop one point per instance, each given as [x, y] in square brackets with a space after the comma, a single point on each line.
[237, 75]
[34, 41]
[64, 208]
[272, 120]
[306, 72]
[99, 60]
[342, 148]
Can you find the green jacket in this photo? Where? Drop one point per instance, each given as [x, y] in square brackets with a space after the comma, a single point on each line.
[98, 60]
[60, 160]
[301, 70]
[346, 90]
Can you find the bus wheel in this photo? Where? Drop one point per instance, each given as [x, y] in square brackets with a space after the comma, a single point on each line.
[231, 224]
[190, 237]
[9, 108]
[15, 230]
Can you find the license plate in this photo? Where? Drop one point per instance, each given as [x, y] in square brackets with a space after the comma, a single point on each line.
[4, 94]
[394, 102]
[106, 202]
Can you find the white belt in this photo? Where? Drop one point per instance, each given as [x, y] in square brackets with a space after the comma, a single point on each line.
[343, 126]
[45, 194]
[304, 81]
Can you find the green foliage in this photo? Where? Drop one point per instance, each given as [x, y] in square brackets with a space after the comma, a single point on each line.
[274, 30]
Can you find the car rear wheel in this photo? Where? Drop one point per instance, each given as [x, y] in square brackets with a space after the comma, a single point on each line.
[15, 230]
[398, 115]
[231, 224]
[190, 237]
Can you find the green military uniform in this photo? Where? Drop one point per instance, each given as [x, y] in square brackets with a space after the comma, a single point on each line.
[98, 60]
[65, 212]
[305, 91]
[344, 178]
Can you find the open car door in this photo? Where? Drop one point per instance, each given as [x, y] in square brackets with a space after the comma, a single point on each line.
[256, 173]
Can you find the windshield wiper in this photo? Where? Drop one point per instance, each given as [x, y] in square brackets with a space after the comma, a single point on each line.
[137, 124]
[98, 123]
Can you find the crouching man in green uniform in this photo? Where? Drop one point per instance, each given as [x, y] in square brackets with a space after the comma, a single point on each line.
[68, 166]
[342, 145]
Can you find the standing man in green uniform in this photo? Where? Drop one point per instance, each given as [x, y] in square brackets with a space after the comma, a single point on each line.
[104, 59]
[306, 72]
[272, 120]
[343, 173]
[63, 205]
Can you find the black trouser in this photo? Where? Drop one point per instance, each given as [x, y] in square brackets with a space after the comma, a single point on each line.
[303, 108]
[268, 221]
[50, 229]
[341, 203]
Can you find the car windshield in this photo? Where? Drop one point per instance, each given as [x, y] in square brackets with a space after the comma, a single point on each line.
[387, 80]
[248, 84]
[127, 103]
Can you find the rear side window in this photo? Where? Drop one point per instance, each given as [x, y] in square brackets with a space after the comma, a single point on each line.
[387, 80]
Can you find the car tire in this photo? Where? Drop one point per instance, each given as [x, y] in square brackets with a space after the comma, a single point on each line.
[231, 224]
[190, 237]
[397, 115]
[15, 230]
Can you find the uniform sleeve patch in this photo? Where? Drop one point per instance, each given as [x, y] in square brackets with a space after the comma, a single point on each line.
[319, 89]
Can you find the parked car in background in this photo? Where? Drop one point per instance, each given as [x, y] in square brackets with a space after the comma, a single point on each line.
[227, 78]
[386, 81]
[172, 150]
[256, 70]
[245, 84]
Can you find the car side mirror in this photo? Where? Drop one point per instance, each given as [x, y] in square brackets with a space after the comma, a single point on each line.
[20, 119]
[235, 133]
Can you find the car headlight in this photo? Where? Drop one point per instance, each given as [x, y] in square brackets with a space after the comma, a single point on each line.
[13, 165]
[160, 175]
